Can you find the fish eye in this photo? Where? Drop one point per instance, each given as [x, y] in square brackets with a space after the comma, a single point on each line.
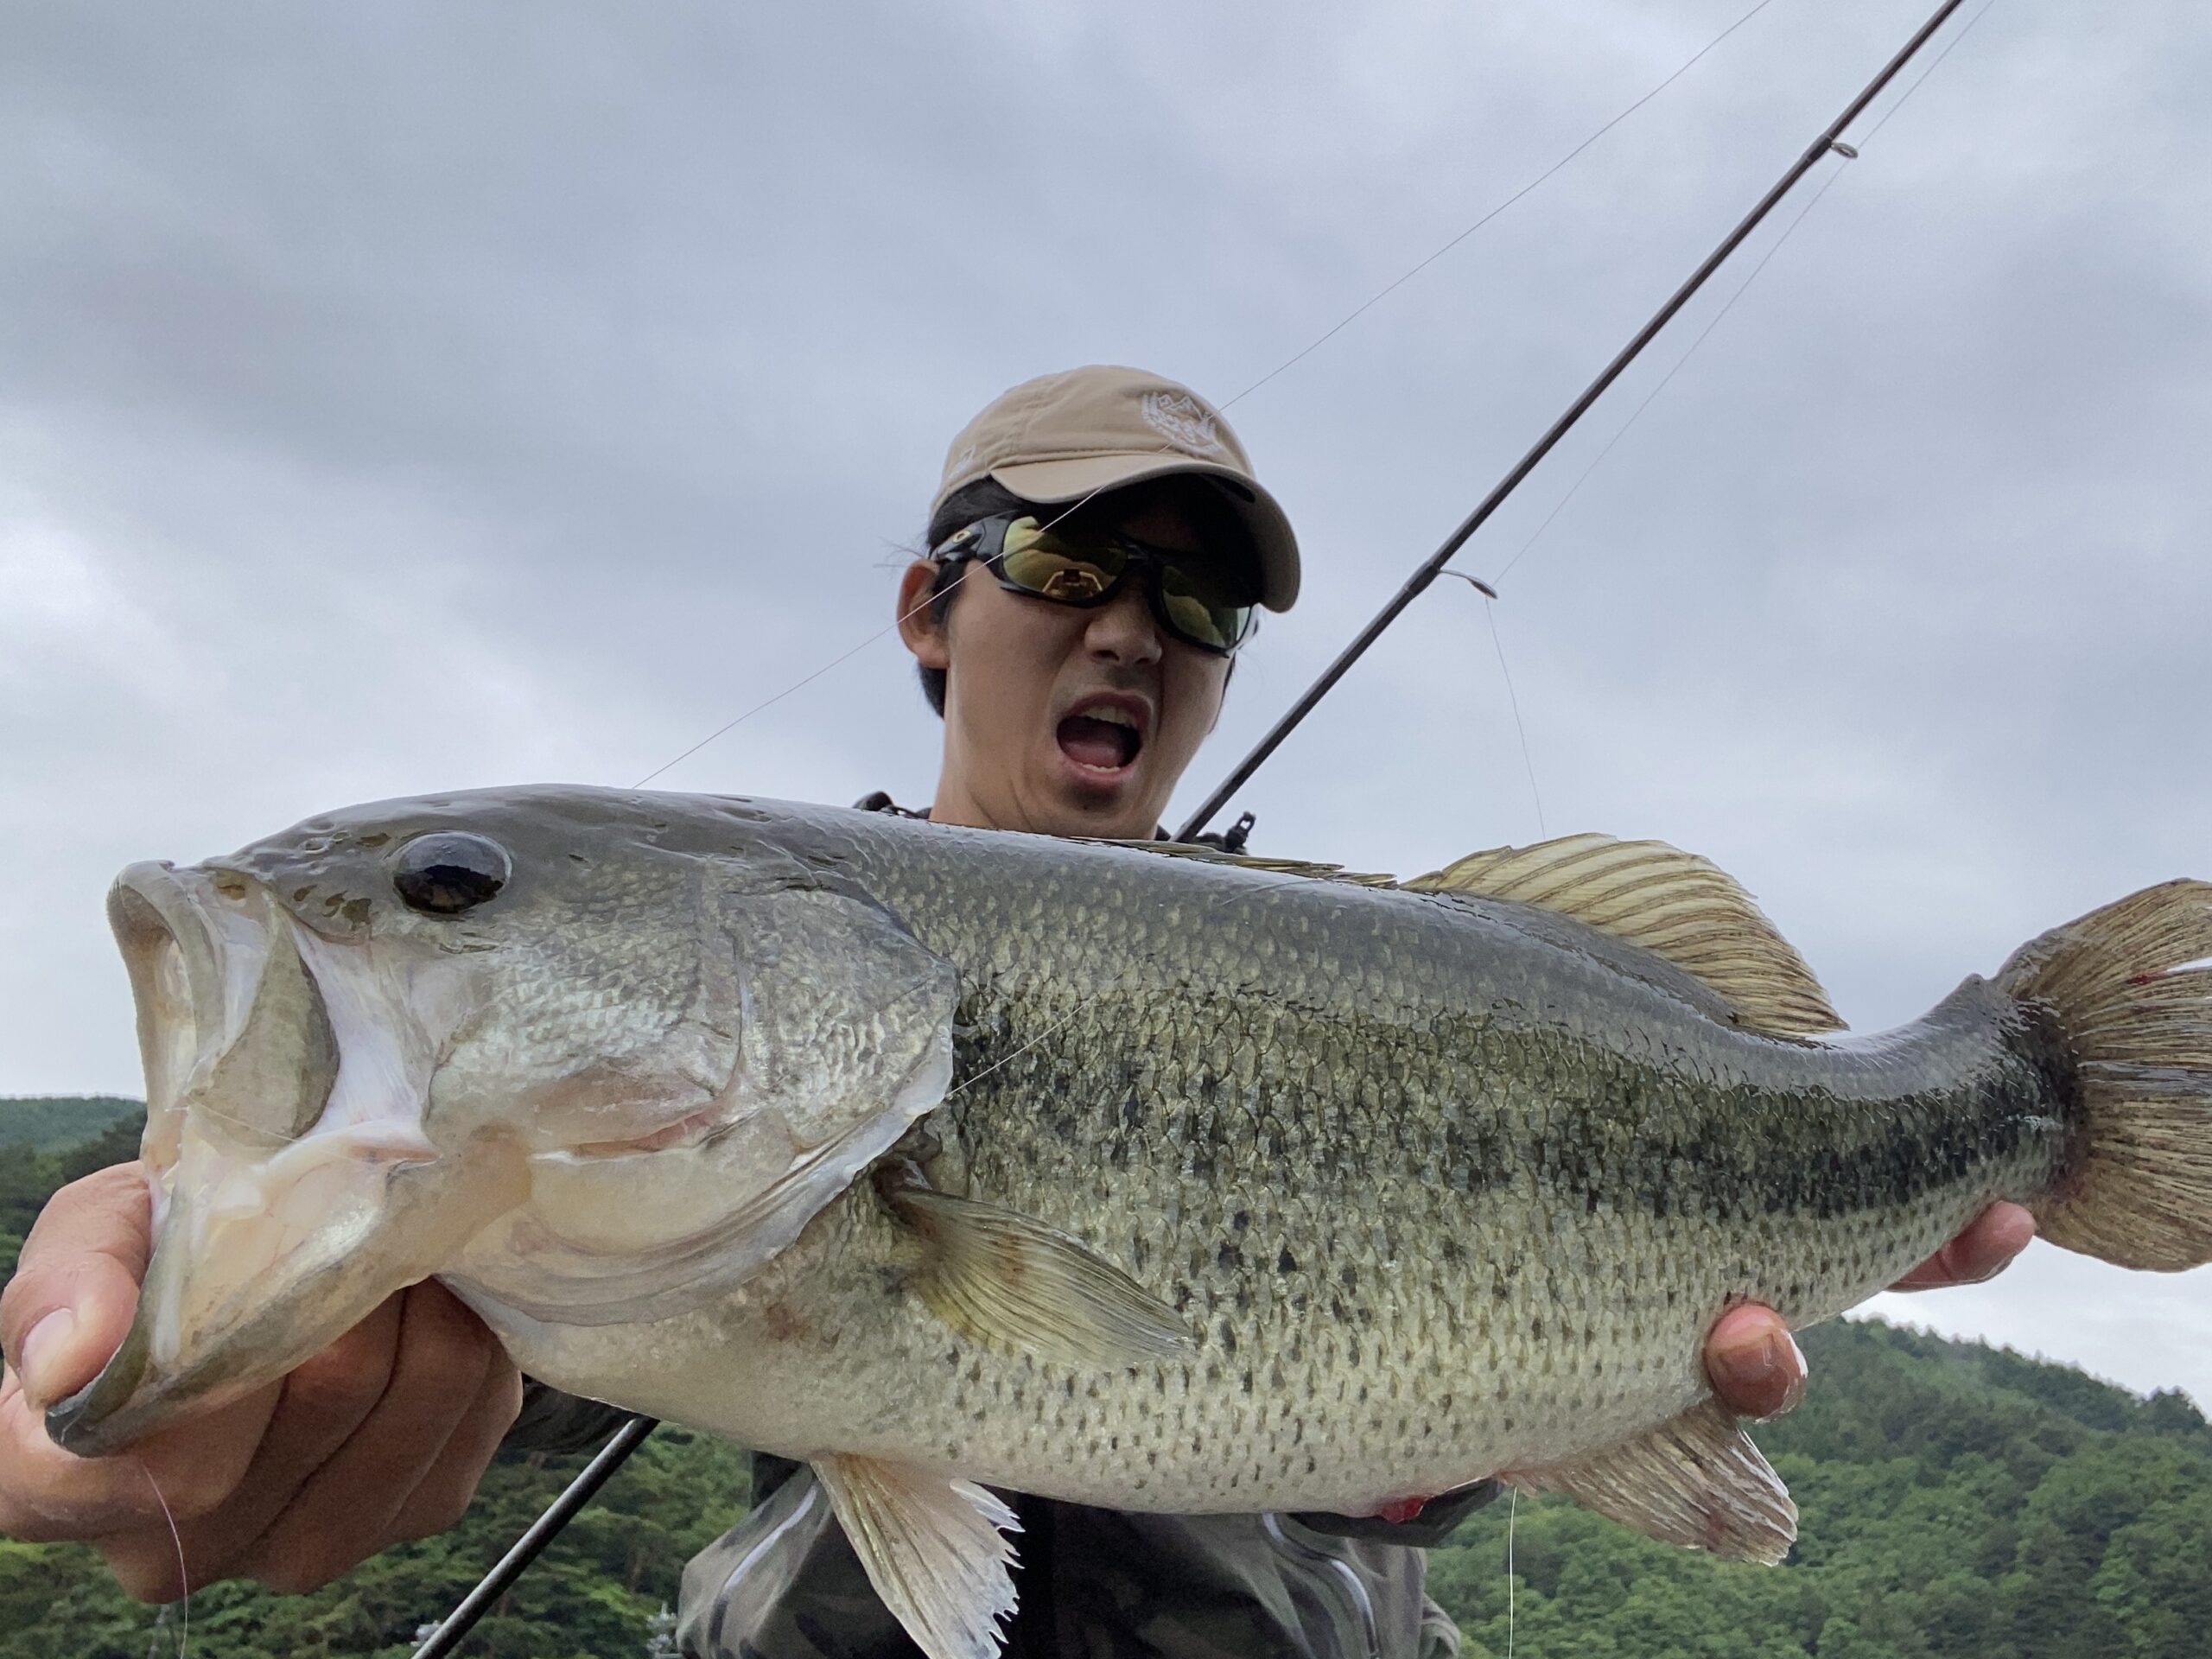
[447, 873]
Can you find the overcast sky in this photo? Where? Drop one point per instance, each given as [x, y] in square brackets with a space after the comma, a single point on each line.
[402, 397]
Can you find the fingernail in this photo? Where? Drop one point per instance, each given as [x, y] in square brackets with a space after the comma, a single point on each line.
[1752, 1369]
[41, 1356]
[1747, 1365]
[1798, 1374]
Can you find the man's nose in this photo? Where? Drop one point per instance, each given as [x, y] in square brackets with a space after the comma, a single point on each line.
[1123, 630]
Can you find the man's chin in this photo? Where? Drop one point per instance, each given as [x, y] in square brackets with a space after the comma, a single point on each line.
[1110, 806]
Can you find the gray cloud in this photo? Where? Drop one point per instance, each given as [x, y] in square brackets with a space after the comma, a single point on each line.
[409, 397]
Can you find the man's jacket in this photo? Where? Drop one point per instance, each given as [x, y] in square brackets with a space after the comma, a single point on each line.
[1092, 1584]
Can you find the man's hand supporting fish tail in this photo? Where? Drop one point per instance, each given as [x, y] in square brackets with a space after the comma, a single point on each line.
[1755, 1363]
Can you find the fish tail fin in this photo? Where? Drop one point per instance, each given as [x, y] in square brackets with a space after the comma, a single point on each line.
[2130, 987]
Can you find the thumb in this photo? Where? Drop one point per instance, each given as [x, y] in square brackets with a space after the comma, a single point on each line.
[76, 1287]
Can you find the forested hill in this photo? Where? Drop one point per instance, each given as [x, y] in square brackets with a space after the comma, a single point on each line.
[42, 1123]
[1956, 1499]
[45, 1143]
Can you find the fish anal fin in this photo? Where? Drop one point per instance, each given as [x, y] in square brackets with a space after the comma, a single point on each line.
[1696, 1480]
[1681, 907]
[935, 1549]
[1012, 1283]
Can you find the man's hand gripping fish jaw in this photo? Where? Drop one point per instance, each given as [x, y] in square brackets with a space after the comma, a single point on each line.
[377, 1051]
[294, 1183]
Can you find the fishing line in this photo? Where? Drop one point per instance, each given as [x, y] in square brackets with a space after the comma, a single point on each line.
[895, 623]
[1964, 30]
[1827, 185]
[1573, 489]
[1490, 594]
[1426, 573]
[1386, 291]
[797, 685]
[1328, 334]
[1490, 610]
[1512, 1515]
[183, 1603]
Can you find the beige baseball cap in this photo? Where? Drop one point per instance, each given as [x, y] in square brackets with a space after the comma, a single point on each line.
[1061, 437]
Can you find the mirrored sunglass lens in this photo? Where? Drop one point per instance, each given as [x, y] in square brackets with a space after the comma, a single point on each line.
[1201, 610]
[1050, 567]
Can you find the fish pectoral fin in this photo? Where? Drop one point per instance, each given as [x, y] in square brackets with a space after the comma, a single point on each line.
[1008, 1282]
[1683, 909]
[935, 1549]
[1696, 1480]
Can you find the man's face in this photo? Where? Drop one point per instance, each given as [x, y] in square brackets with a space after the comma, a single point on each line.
[1063, 721]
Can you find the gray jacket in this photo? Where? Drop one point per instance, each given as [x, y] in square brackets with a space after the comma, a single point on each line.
[783, 1584]
[1094, 1583]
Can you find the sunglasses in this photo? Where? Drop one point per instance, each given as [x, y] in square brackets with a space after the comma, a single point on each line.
[1191, 595]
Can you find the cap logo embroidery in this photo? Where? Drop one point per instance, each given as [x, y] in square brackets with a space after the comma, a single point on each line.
[1182, 420]
[961, 462]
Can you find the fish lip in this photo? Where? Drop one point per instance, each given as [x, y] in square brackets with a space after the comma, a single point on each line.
[74, 1422]
[224, 1002]
[149, 907]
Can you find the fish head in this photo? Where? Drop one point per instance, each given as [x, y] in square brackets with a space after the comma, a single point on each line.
[591, 1057]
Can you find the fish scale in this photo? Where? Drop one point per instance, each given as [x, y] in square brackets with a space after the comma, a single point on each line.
[1115, 1093]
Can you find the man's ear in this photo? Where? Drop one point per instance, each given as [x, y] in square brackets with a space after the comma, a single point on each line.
[924, 633]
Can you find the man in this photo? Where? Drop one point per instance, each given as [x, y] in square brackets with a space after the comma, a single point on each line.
[1118, 492]
[1074, 692]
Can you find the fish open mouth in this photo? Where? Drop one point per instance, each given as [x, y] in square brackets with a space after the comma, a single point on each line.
[237, 1044]
[274, 1231]
[1102, 738]
[229, 1015]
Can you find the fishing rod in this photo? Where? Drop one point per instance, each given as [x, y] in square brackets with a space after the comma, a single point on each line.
[527, 1548]
[628, 1439]
[1424, 574]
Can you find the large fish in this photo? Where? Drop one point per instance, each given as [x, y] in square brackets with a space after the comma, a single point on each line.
[944, 1157]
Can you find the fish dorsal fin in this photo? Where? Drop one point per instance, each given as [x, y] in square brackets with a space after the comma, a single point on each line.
[1012, 1283]
[935, 1549]
[1674, 904]
[1695, 1480]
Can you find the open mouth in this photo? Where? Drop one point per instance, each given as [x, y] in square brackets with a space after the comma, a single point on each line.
[227, 1010]
[270, 1236]
[1102, 737]
[235, 1037]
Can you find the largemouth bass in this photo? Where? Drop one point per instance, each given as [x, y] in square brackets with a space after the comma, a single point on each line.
[949, 1159]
